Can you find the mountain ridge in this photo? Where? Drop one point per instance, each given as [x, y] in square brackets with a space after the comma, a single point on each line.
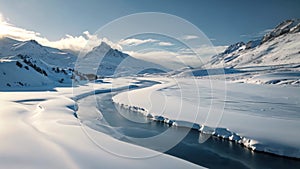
[61, 67]
[106, 61]
[273, 59]
[266, 50]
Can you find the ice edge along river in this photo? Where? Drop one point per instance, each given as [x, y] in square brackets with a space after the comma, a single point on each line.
[262, 118]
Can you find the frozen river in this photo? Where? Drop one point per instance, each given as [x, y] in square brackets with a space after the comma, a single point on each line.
[132, 127]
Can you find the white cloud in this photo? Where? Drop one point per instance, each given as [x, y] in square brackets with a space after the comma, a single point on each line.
[87, 41]
[190, 37]
[257, 34]
[84, 42]
[9, 30]
[165, 44]
[169, 59]
[204, 51]
[208, 51]
[135, 42]
[184, 57]
[164, 58]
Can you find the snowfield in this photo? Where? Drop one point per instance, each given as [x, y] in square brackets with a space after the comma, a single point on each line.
[262, 118]
[38, 129]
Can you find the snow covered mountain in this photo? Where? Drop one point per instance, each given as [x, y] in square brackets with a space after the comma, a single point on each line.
[105, 61]
[17, 74]
[29, 64]
[278, 47]
[47, 55]
[273, 59]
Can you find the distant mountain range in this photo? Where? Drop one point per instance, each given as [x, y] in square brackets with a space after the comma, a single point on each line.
[27, 63]
[280, 46]
[50, 56]
[272, 59]
[105, 61]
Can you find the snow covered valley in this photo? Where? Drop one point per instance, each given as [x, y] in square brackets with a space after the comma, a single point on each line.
[43, 129]
[39, 130]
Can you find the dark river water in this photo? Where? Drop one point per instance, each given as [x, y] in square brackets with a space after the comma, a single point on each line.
[213, 153]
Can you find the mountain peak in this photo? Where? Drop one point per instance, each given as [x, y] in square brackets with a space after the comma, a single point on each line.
[287, 26]
[33, 41]
[104, 47]
[264, 51]
[104, 44]
[234, 47]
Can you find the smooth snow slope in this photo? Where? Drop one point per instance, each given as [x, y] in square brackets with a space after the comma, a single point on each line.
[39, 130]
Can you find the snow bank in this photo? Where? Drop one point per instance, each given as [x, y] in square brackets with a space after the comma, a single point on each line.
[262, 118]
[39, 130]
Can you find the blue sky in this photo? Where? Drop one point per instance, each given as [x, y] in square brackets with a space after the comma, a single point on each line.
[62, 22]
[223, 21]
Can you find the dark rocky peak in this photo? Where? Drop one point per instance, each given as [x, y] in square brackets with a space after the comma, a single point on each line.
[287, 26]
[233, 47]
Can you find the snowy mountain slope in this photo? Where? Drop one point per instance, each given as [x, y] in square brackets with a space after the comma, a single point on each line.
[50, 56]
[273, 59]
[291, 25]
[5, 46]
[59, 65]
[110, 62]
[282, 50]
[60, 76]
[16, 74]
[280, 46]
[55, 64]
